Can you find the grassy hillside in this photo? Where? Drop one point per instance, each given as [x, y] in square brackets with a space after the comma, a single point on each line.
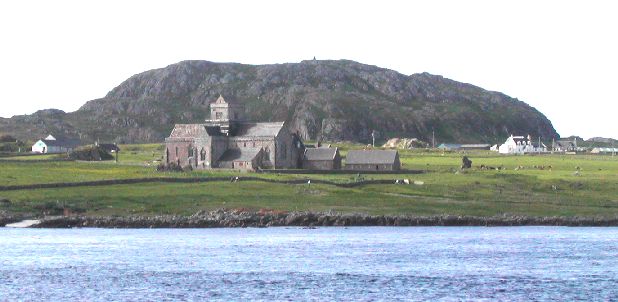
[547, 185]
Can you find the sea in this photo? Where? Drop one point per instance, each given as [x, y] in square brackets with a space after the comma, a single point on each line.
[321, 264]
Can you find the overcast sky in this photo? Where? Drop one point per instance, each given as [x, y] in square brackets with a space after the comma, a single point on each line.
[558, 56]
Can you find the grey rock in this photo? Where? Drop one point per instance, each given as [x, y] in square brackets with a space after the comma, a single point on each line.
[328, 100]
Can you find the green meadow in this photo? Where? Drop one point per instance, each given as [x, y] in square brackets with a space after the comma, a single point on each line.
[531, 185]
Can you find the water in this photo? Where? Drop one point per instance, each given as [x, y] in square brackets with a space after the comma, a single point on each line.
[361, 264]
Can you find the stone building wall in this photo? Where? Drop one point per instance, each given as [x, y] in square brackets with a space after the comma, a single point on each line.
[318, 164]
[371, 167]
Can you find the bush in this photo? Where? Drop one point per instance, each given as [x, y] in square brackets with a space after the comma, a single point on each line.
[90, 153]
[7, 139]
[172, 167]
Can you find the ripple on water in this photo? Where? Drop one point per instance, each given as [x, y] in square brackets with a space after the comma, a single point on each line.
[433, 263]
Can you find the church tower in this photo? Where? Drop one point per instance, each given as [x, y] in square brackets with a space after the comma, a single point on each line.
[225, 114]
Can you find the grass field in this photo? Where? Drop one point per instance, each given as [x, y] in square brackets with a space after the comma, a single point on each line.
[575, 185]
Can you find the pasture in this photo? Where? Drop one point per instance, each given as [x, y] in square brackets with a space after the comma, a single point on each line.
[531, 185]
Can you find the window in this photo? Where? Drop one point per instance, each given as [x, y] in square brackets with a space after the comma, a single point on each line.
[284, 151]
[176, 151]
[190, 151]
[167, 155]
[218, 115]
[244, 144]
[203, 155]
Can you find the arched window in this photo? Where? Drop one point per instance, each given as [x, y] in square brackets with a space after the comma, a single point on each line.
[176, 151]
[203, 155]
[190, 151]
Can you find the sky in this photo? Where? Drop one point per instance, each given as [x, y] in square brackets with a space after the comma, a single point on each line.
[558, 56]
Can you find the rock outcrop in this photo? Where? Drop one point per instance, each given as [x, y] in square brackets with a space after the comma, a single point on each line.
[405, 143]
[326, 100]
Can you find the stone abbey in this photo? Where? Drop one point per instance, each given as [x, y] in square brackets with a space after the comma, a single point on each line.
[226, 140]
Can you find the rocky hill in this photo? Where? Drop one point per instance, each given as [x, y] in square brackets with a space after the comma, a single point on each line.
[329, 100]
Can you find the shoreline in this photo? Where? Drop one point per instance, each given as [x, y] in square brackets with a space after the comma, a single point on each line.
[223, 218]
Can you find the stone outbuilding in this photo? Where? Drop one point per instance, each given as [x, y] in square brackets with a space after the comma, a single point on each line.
[373, 160]
[226, 140]
[322, 159]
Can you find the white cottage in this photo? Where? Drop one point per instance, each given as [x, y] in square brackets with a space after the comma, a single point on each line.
[521, 145]
[52, 145]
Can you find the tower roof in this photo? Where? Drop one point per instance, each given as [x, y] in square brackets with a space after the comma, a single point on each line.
[222, 100]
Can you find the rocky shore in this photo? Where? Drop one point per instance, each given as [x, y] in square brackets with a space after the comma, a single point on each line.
[243, 218]
[6, 218]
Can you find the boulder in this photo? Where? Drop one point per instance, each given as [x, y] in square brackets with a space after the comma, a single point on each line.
[466, 163]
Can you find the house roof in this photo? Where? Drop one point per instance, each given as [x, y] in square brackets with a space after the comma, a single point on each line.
[320, 153]
[475, 146]
[65, 142]
[245, 154]
[371, 157]
[109, 147]
[259, 129]
[520, 139]
[564, 143]
[449, 146]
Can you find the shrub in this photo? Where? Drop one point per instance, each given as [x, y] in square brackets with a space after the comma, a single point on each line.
[90, 153]
[172, 167]
[6, 138]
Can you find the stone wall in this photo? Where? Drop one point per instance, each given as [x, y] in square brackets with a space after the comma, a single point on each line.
[319, 164]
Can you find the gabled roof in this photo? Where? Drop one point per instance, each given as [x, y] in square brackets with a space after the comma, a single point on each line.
[564, 143]
[375, 157]
[192, 131]
[520, 139]
[449, 146]
[65, 142]
[320, 153]
[221, 100]
[259, 129]
[109, 147]
[245, 154]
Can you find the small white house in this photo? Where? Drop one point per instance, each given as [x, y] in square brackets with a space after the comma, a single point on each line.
[521, 145]
[52, 145]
